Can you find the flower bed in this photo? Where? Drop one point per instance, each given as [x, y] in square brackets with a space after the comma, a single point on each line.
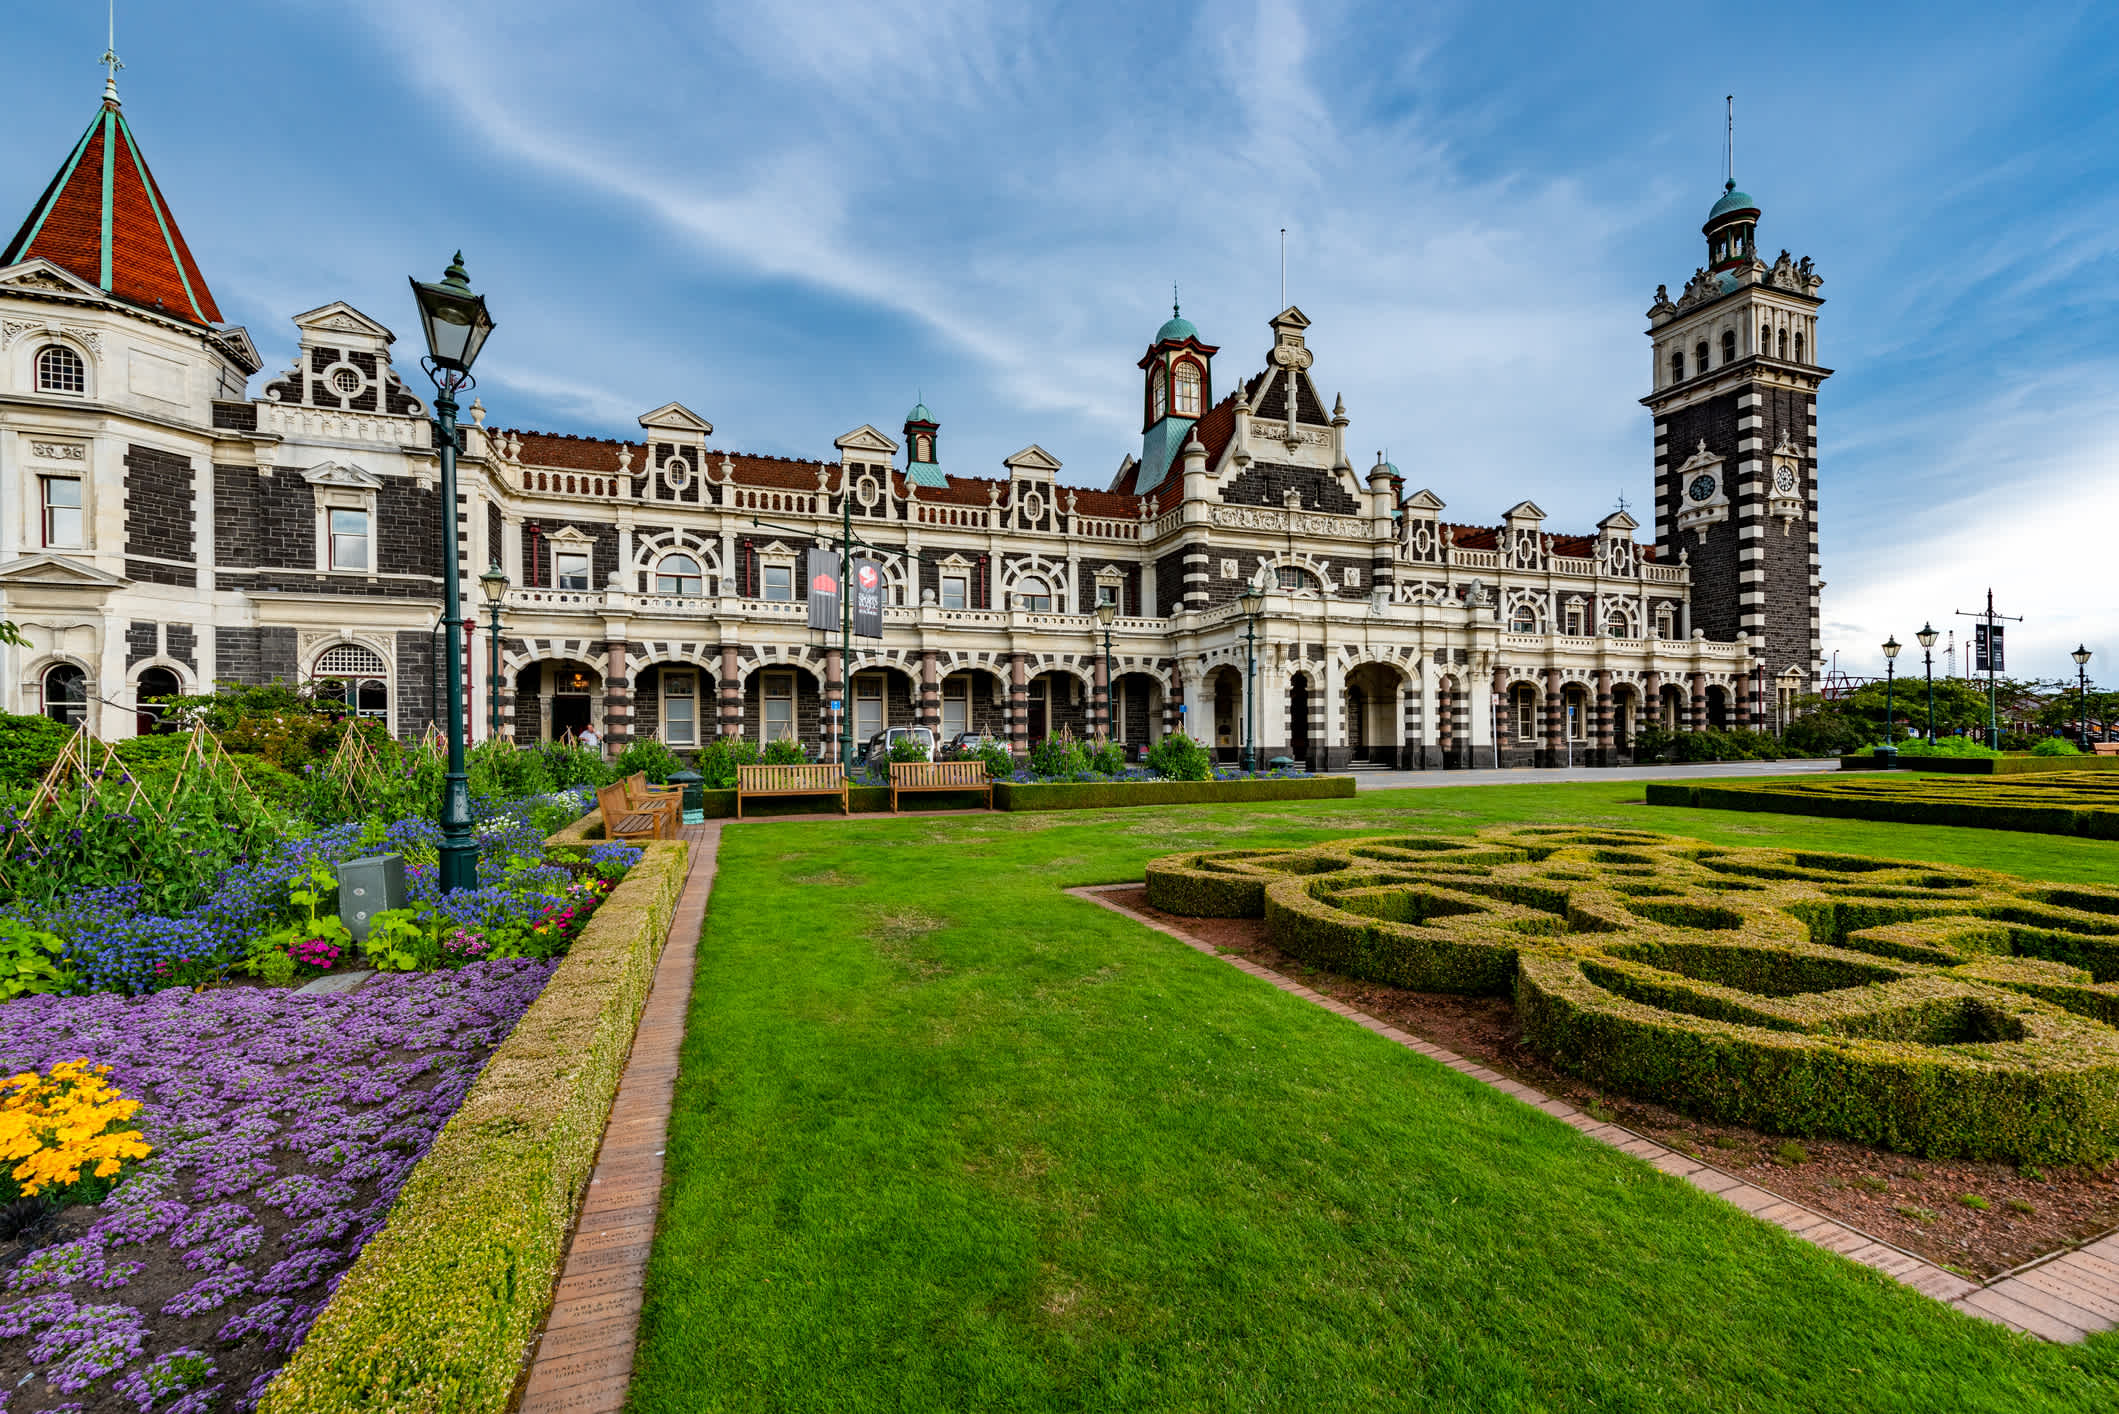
[2061, 803]
[281, 1127]
[1941, 1011]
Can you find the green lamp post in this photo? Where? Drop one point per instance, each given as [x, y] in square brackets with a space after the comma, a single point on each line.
[457, 325]
[494, 584]
[1251, 601]
[1927, 637]
[2081, 655]
[1106, 613]
[1888, 752]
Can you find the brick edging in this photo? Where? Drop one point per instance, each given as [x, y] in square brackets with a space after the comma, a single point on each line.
[584, 1357]
[2065, 1297]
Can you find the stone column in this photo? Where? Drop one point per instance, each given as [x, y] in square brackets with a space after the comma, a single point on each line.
[1555, 721]
[930, 692]
[1460, 721]
[1018, 705]
[1607, 745]
[834, 692]
[1696, 701]
[1651, 708]
[617, 697]
[731, 692]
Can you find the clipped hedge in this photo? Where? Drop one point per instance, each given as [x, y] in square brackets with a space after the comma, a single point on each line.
[1100, 795]
[2020, 765]
[2059, 803]
[443, 1304]
[1926, 1008]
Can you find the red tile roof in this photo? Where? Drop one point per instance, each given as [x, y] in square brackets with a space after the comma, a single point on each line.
[103, 218]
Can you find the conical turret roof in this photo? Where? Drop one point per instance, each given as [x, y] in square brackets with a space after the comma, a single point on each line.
[104, 219]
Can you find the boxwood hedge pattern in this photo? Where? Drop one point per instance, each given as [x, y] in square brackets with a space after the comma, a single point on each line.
[1932, 1010]
[2084, 803]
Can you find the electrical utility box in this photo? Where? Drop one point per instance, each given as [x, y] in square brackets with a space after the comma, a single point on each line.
[367, 887]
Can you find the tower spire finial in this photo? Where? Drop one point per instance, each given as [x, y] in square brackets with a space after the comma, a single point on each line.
[1729, 142]
[110, 60]
[1173, 299]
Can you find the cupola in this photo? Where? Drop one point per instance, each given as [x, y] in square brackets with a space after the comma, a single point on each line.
[1731, 229]
[923, 436]
[1176, 389]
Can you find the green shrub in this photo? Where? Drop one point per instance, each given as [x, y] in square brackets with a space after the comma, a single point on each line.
[1822, 734]
[1107, 758]
[31, 961]
[1957, 748]
[570, 764]
[906, 748]
[1179, 758]
[999, 764]
[720, 758]
[28, 746]
[786, 751]
[1059, 757]
[651, 756]
[2056, 746]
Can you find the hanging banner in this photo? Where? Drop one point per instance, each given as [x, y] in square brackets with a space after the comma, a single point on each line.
[822, 573]
[1986, 648]
[867, 599]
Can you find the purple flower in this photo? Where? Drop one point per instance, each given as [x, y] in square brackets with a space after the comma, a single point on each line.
[88, 1343]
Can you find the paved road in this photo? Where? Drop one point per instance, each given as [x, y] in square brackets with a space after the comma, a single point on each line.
[1392, 780]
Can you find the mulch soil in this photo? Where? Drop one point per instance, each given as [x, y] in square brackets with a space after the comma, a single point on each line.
[1915, 1204]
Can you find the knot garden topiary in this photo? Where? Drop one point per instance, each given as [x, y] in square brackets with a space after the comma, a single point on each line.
[1929, 1009]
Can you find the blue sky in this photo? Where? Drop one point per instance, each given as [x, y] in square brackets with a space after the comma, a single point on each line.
[797, 219]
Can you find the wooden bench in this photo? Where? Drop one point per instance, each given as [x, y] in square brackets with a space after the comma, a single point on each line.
[939, 775]
[622, 822]
[791, 780]
[668, 799]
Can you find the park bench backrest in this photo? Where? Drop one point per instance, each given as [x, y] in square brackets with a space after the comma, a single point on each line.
[916, 774]
[766, 779]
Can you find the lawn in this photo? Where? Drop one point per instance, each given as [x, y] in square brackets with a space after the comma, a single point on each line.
[946, 1138]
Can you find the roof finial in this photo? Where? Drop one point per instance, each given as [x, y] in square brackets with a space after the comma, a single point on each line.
[110, 59]
[1729, 142]
[1173, 299]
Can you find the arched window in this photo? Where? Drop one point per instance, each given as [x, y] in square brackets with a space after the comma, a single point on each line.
[1729, 346]
[1033, 595]
[1784, 344]
[1617, 625]
[925, 444]
[154, 683]
[1677, 366]
[60, 370]
[1187, 400]
[1798, 348]
[1699, 357]
[679, 574]
[1158, 394]
[1293, 578]
[355, 676]
[1523, 620]
[66, 694]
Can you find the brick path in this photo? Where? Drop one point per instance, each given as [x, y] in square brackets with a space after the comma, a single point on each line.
[585, 1356]
[2060, 1298]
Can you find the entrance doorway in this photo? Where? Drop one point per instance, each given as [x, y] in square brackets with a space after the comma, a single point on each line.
[1357, 725]
[1299, 717]
[570, 713]
[154, 683]
[1040, 716]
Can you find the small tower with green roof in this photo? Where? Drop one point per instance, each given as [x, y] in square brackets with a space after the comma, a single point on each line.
[922, 436]
[1178, 387]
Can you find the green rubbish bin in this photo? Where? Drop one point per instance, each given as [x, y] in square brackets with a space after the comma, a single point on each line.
[694, 790]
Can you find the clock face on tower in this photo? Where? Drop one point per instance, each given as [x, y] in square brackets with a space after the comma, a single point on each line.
[1701, 488]
[1784, 480]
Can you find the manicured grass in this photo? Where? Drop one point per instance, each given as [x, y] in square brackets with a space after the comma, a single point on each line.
[947, 1139]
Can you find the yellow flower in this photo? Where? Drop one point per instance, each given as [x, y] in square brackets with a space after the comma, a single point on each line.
[53, 1126]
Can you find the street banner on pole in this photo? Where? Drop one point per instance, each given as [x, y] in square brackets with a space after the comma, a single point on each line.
[867, 599]
[1987, 649]
[823, 575]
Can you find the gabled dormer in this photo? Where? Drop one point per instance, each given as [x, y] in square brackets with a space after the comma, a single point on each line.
[1177, 387]
[343, 365]
[676, 451]
[1033, 495]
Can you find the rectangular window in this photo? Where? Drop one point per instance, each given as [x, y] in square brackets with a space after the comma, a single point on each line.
[1107, 594]
[1577, 728]
[956, 708]
[954, 595]
[780, 583]
[62, 511]
[1526, 714]
[570, 569]
[680, 708]
[349, 540]
[867, 707]
[779, 702]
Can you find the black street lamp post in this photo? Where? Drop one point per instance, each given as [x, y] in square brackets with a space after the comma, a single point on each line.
[1251, 601]
[495, 585]
[1927, 637]
[457, 325]
[1888, 752]
[1106, 612]
[2081, 655]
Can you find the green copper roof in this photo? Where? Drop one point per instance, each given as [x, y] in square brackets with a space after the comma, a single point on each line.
[926, 474]
[1732, 200]
[920, 413]
[1176, 327]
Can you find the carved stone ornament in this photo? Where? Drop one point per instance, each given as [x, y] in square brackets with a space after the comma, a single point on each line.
[1301, 523]
[59, 451]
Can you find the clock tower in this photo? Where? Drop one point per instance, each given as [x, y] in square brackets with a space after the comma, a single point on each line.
[1735, 375]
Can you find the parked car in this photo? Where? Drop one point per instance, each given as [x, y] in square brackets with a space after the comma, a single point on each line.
[877, 752]
[965, 743]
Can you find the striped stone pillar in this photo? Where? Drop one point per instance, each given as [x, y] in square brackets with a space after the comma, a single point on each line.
[731, 692]
[1555, 721]
[930, 692]
[1018, 705]
[1695, 701]
[617, 697]
[1100, 712]
[1606, 746]
[1460, 716]
[1651, 708]
[834, 703]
